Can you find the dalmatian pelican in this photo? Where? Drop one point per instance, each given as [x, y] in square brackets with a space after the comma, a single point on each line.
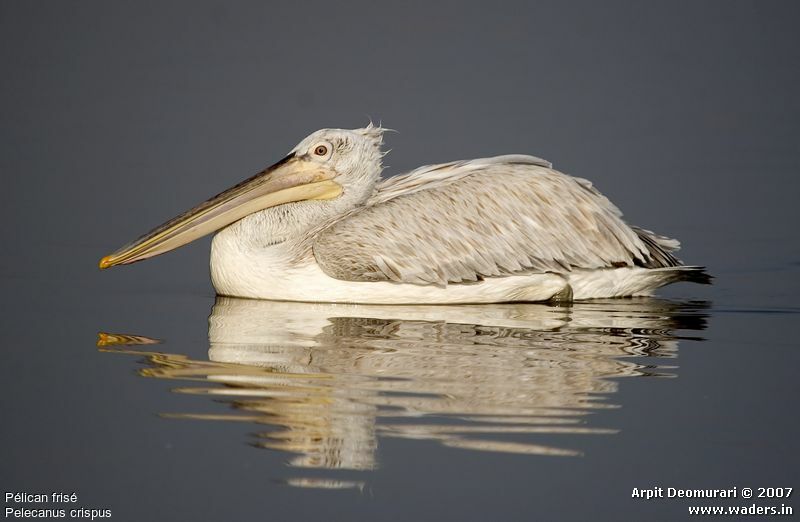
[321, 225]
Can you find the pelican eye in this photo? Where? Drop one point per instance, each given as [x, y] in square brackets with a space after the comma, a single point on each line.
[320, 150]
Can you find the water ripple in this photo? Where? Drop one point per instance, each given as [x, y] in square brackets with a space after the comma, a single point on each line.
[328, 381]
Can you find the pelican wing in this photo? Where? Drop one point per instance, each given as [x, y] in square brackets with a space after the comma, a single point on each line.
[467, 220]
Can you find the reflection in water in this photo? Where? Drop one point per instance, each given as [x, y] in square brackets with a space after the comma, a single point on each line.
[330, 379]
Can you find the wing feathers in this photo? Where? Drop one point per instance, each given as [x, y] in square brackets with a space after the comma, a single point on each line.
[463, 221]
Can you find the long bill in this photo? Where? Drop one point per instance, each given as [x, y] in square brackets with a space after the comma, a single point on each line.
[291, 179]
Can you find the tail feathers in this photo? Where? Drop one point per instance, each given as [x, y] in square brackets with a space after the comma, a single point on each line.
[692, 274]
[659, 248]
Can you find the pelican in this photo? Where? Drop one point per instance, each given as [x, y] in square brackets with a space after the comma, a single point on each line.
[321, 225]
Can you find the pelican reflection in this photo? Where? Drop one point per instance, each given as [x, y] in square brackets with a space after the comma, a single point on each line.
[329, 380]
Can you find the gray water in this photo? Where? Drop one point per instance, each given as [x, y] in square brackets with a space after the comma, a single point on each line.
[145, 394]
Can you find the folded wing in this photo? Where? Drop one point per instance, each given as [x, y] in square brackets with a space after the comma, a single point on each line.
[465, 221]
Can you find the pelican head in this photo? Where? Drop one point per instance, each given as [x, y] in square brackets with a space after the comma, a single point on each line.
[328, 173]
